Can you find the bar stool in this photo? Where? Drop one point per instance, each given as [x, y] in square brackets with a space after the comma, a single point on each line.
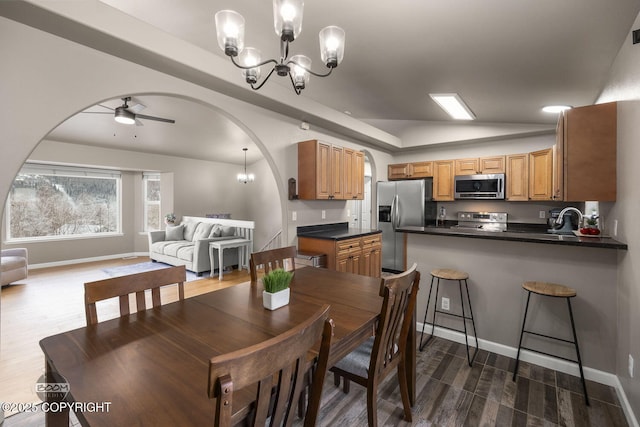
[460, 276]
[555, 291]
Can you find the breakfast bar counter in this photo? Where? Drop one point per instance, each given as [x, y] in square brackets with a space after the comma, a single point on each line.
[517, 234]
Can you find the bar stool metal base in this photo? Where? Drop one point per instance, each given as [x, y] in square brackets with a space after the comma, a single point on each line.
[555, 291]
[460, 277]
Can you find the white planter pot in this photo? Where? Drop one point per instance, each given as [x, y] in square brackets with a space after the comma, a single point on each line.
[276, 300]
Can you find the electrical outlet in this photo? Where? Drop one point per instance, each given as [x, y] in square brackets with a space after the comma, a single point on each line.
[294, 216]
[630, 365]
[348, 212]
[445, 303]
[324, 214]
[542, 214]
[615, 228]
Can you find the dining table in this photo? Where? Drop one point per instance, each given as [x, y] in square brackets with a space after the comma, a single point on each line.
[151, 367]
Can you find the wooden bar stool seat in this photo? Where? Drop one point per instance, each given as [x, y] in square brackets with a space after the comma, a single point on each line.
[461, 277]
[552, 290]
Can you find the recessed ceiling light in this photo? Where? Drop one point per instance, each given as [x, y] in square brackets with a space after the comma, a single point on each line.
[453, 104]
[556, 108]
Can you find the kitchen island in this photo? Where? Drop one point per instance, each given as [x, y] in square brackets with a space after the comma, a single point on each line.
[499, 262]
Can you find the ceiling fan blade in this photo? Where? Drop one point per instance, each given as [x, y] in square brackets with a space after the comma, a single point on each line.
[139, 123]
[106, 106]
[135, 109]
[97, 112]
[157, 119]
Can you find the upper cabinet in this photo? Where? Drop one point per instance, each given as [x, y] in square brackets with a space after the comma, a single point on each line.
[327, 171]
[480, 165]
[415, 170]
[443, 180]
[541, 175]
[585, 163]
[517, 177]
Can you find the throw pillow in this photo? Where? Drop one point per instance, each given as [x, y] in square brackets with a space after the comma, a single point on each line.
[228, 231]
[202, 231]
[190, 229]
[174, 233]
[215, 231]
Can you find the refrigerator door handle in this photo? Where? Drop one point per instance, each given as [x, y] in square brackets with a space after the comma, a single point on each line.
[394, 206]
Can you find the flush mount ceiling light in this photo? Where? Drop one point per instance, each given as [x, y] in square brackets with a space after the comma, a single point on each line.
[244, 177]
[556, 108]
[287, 16]
[453, 104]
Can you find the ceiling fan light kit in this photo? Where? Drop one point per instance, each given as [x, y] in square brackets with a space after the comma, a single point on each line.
[122, 115]
[287, 15]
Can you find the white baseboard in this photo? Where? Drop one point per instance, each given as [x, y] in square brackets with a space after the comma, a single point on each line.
[84, 260]
[544, 361]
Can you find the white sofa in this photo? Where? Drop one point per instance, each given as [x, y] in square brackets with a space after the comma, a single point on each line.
[14, 265]
[188, 243]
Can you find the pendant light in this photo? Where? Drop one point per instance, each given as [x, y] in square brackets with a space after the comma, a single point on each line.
[244, 177]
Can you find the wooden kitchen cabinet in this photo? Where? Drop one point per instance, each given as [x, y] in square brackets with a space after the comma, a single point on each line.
[414, 170]
[443, 180]
[327, 171]
[541, 174]
[353, 179]
[358, 255]
[517, 177]
[478, 165]
[585, 163]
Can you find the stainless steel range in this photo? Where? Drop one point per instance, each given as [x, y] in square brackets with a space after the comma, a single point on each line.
[482, 221]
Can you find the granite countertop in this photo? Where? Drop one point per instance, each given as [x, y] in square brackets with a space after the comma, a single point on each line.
[339, 231]
[524, 233]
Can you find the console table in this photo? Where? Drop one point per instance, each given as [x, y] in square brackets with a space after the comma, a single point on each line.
[243, 246]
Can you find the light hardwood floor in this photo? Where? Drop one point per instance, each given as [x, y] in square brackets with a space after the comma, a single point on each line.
[51, 301]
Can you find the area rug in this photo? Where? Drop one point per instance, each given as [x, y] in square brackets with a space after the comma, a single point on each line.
[124, 270]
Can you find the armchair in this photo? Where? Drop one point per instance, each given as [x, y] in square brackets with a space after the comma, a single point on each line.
[14, 265]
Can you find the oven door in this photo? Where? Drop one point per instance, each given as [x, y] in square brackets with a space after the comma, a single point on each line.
[487, 186]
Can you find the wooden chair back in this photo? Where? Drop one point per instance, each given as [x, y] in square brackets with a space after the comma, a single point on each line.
[138, 283]
[400, 295]
[278, 367]
[272, 259]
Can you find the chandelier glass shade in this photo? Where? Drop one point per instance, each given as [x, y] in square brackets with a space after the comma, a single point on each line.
[244, 177]
[287, 16]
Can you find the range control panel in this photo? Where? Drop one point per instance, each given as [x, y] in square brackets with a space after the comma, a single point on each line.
[488, 221]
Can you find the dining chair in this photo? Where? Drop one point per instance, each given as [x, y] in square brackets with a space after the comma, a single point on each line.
[272, 375]
[123, 286]
[372, 362]
[272, 259]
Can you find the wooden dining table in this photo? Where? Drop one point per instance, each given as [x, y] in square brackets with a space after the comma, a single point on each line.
[152, 367]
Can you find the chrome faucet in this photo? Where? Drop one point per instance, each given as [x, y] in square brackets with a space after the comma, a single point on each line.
[565, 210]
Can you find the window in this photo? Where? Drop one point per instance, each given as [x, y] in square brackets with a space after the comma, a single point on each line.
[151, 192]
[50, 201]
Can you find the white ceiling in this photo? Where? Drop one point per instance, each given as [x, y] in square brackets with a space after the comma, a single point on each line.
[506, 58]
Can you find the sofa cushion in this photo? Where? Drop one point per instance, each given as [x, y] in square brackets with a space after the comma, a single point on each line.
[190, 229]
[202, 231]
[186, 253]
[216, 231]
[174, 233]
[228, 231]
[172, 248]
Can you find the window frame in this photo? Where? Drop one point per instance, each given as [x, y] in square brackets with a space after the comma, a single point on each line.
[145, 202]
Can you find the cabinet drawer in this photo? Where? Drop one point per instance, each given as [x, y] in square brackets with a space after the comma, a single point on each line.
[347, 247]
[373, 241]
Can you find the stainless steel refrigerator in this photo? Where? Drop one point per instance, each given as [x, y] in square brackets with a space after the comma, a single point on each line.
[402, 203]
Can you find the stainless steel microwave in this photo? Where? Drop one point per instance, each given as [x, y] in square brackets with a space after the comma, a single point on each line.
[484, 187]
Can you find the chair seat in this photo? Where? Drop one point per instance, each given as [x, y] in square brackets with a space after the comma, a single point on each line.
[357, 362]
[550, 289]
[449, 274]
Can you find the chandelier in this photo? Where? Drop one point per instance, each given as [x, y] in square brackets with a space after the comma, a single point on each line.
[243, 177]
[287, 16]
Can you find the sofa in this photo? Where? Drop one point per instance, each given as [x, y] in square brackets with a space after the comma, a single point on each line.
[14, 265]
[188, 243]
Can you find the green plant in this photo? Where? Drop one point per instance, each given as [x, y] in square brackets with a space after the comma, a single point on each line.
[170, 217]
[277, 280]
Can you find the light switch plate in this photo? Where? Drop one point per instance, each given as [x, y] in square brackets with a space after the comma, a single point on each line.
[324, 214]
[294, 216]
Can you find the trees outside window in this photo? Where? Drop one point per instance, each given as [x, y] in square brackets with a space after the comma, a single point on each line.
[50, 201]
[151, 191]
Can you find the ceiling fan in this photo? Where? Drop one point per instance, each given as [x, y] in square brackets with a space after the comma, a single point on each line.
[129, 115]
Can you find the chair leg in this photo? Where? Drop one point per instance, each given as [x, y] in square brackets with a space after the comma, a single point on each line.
[524, 321]
[473, 322]
[575, 341]
[372, 404]
[426, 311]
[404, 391]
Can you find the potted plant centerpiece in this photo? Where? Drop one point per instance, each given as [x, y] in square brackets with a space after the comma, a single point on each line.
[170, 219]
[276, 288]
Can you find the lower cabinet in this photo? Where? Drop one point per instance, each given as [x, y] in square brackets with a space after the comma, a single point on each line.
[358, 255]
